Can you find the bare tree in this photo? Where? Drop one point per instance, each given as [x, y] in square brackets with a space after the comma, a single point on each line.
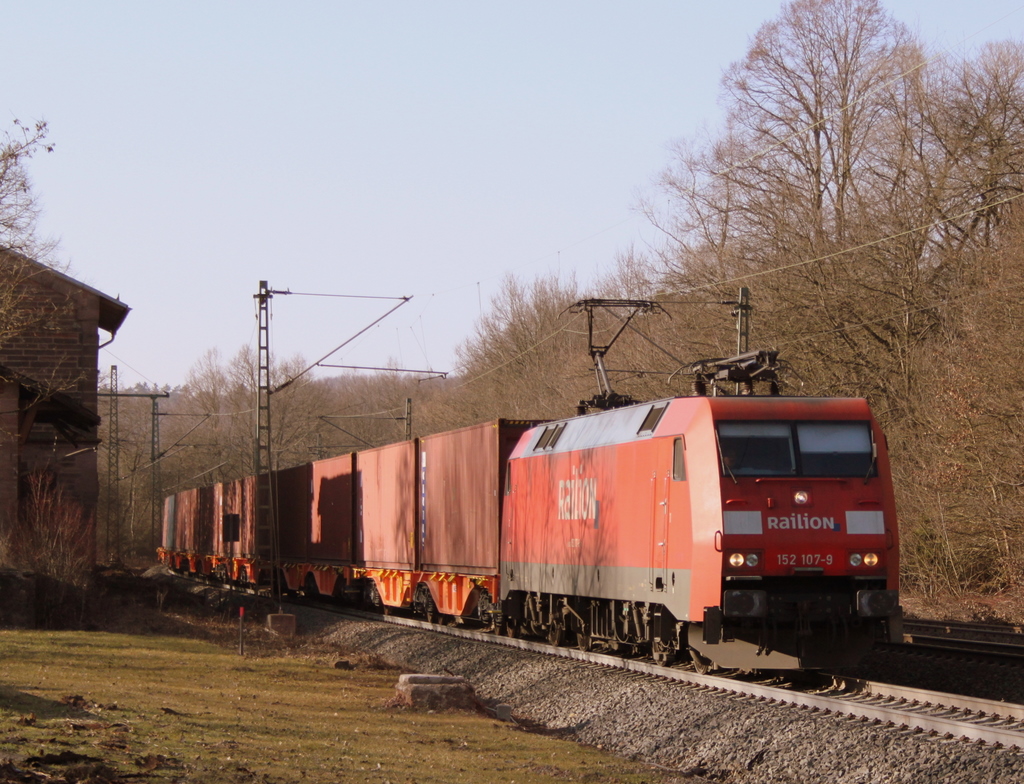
[863, 190]
[528, 356]
[19, 207]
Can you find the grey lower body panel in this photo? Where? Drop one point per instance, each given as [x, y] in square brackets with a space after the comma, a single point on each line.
[620, 583]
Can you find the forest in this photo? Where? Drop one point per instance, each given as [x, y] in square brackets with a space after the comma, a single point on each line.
[863, 186]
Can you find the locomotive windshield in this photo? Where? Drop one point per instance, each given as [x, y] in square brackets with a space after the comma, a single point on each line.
[756, 448]
[796, 448]
[835, 448]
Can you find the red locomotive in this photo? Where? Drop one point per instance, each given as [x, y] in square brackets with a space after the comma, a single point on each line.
[755, 532]
[744, 531]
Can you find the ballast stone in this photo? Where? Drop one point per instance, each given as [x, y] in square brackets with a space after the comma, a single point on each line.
[436, 692]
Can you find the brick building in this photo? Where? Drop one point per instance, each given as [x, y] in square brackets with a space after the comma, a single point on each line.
[49, 356]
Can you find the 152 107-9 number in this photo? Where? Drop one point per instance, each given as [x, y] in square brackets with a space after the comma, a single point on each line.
[805, 559]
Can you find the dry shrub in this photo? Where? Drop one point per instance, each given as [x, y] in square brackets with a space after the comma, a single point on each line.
[53, 538]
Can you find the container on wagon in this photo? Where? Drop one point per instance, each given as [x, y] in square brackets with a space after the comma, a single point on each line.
[387, 501]
[293, 505]
[461, 481]
[333, 510]
[238, 518]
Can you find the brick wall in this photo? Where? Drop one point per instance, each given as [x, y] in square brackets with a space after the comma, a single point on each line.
[49, 333]
[57, 341]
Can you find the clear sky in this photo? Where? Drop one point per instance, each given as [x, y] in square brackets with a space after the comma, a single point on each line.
[376, 148]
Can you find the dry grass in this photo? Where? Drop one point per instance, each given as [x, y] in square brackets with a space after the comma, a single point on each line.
[173, 701]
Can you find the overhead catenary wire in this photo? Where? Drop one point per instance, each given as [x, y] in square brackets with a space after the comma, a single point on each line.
[522, 353]
[330, 353]
[836, 254]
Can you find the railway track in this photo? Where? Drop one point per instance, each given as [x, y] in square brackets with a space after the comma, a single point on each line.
[949, 716]
[995, 642]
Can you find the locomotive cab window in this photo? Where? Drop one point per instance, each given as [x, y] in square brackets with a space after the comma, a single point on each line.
[756, 448]
[796, 449]
[678, 466]
[835, 449]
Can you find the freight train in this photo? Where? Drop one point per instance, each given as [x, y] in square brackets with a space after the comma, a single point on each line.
[750, 532]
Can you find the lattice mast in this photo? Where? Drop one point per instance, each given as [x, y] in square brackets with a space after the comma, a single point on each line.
[113, 473]
[265, 545]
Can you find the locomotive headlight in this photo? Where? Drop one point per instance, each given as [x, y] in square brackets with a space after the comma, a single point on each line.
[801, 498]
[870, 559]
[855, 559]
[738, 560]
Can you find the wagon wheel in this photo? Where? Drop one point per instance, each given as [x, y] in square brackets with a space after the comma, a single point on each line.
[371, 597]
[430, 610]
[309, 586]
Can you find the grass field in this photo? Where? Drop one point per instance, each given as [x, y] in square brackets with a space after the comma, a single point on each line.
[104, 707]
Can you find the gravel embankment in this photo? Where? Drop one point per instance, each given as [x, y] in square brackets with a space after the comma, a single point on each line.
[702, 735]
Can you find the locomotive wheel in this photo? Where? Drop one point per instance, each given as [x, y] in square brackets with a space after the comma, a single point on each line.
[701, 664]
[556, 634]
[664, 653]
[510, 628]
[584, 641]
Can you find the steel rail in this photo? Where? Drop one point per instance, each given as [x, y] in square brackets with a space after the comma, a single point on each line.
[1004, 631]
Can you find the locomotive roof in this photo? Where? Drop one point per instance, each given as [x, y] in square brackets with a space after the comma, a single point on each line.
[641, 421]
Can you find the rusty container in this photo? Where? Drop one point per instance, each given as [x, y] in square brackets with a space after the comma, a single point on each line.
[238, 516]
[461, 481]
[293, 505]
[249, 505]
[217, 544]
[387, 488]
[206, 520]
[183, 510]
[333, 511]
[174, 521]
